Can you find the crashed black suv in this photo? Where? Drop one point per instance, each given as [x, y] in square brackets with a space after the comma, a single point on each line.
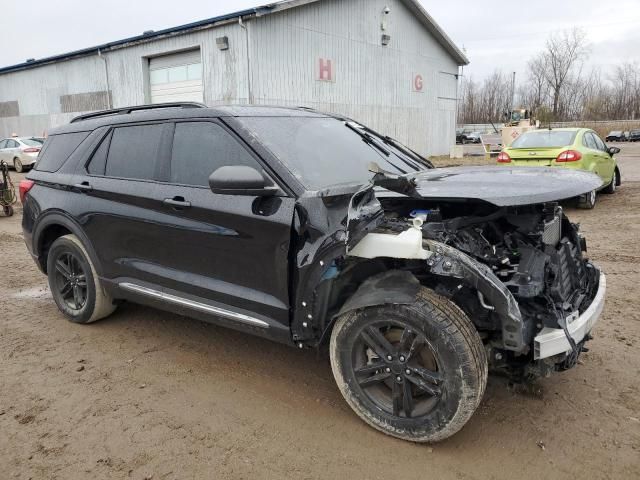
[309, 229]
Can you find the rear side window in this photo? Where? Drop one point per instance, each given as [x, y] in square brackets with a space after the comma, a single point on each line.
[57, 150]
[99, 159]
[599, 143]
[200, 148]
[134, 152]
[589, 142]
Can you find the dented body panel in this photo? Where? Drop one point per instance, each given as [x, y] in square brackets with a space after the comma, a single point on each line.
[493, 250]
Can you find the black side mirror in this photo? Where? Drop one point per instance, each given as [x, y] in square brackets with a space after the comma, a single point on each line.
[613, 150]
[241, 180]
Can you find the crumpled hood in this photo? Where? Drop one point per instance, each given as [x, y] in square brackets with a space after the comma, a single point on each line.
[504, 186]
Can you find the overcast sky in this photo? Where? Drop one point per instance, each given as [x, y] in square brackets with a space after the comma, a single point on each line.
[494, 33]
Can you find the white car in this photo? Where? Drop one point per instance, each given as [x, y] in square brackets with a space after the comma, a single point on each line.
[20, 152]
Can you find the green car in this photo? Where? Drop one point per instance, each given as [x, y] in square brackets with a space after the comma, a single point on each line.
[577, 148]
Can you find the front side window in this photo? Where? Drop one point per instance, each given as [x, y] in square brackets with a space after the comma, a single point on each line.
[200, 148]
[3, 144]
[134, 152]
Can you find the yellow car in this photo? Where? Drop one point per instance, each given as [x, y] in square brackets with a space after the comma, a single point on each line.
[576, 148]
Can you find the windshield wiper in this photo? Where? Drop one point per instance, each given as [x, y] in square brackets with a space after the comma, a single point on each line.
[368, 139]
[408, 152]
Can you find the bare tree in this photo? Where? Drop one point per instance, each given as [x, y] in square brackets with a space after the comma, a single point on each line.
[563, 52]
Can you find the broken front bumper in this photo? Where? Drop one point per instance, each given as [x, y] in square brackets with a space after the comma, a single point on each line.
[553, 341]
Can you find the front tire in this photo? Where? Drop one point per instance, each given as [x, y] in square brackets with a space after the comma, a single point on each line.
[74, 283]
[416, 372]
[615, 181]
[587, 201]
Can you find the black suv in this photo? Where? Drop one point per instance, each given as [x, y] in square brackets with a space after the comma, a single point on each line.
[308, 229]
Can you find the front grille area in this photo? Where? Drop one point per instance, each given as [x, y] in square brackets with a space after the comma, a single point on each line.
[551, 232]
[568, 270]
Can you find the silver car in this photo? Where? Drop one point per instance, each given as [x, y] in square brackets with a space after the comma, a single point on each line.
[20, 152]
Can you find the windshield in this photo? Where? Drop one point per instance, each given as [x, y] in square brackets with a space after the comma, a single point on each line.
[322, 151]
[545, 139]
[33, 142]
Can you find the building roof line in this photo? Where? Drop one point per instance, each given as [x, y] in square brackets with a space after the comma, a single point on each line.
[413, 5]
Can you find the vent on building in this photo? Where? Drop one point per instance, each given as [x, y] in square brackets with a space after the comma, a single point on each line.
[222, 43]
[85, 102]
[9, 109]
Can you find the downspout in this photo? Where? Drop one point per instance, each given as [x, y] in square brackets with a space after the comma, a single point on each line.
[106, 79]
[248, 54]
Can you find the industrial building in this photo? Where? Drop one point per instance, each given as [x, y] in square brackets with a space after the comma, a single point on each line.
[385, 63]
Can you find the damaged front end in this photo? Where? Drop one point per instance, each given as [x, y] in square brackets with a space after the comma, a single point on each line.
[518, 270]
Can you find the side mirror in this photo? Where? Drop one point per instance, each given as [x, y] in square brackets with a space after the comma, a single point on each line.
[613, 150]
[241, 180]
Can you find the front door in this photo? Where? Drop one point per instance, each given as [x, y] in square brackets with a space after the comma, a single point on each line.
[606, 164]
[227, 249]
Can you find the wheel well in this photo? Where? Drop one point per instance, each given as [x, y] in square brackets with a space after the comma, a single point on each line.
[50, 235]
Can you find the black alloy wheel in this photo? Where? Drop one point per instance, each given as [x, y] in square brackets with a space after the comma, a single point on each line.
[70, 281]
[413, 371]
[396, 369]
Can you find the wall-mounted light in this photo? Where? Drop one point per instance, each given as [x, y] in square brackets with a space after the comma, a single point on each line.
[222, 43]
[385, 39]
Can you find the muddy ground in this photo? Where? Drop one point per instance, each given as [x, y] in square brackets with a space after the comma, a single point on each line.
[147, 394]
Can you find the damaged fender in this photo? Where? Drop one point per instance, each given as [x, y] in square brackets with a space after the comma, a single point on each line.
[393, 287]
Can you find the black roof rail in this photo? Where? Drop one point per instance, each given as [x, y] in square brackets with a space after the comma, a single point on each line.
[125, 110]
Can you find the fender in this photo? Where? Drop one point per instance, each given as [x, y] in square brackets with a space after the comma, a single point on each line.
[56, 217]
[393, 287]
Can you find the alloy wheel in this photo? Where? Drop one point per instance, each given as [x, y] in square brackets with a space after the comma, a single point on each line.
[397, 370]
[70, 281]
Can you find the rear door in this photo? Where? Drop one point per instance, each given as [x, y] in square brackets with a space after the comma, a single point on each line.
[11, 150]
[590, 153]
[229, 250]
[120, 190]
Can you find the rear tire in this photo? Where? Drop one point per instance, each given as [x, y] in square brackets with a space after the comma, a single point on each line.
[587, 201]
[17, 164]
[74, 282]
[421, 394]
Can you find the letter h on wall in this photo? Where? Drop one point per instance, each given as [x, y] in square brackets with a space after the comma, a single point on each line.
[325, 70]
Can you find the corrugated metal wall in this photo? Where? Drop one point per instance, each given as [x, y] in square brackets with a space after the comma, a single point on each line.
[372, 83]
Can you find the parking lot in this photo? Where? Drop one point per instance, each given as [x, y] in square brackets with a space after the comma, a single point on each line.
[147, 394]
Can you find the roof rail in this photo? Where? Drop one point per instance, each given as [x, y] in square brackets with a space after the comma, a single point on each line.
[126, 110]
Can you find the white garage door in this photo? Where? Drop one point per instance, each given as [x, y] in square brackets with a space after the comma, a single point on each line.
[176, 77]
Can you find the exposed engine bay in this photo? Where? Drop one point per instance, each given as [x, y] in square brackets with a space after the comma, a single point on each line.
[495, 242]
[534, 251]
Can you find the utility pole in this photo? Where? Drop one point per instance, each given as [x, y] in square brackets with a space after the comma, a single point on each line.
[513, 92]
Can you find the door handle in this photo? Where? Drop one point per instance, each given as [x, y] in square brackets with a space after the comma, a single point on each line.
[83, 187]
[176, 202]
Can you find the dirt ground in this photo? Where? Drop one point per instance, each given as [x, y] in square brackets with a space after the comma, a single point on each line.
[147, 394]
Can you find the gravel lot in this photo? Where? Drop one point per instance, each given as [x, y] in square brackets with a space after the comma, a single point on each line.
[147, 394]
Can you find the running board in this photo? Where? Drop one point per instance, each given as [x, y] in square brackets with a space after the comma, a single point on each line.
[203, 307]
